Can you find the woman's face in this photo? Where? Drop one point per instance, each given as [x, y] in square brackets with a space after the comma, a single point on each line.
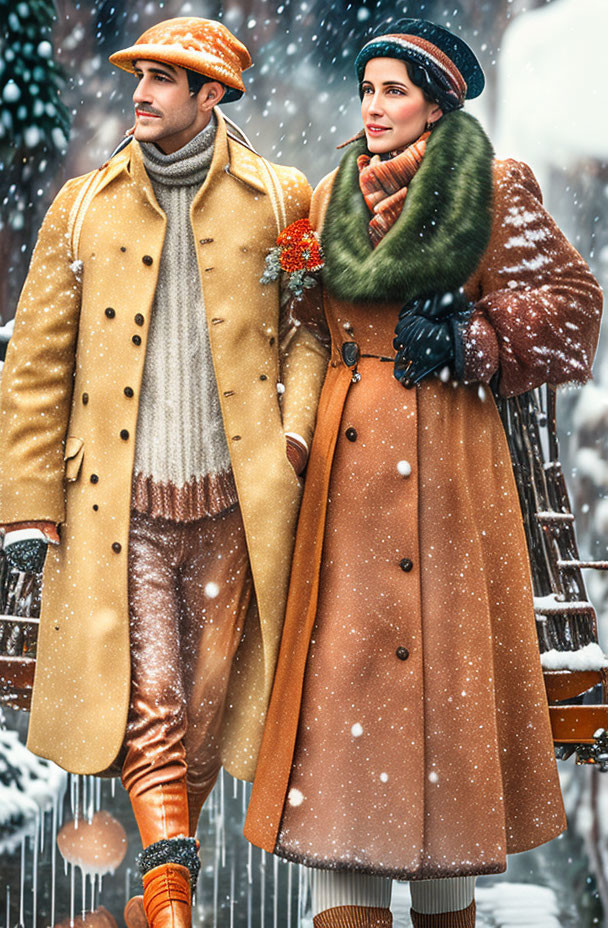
[394, 110]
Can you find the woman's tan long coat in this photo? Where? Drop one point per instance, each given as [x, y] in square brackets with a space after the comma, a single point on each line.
[63, 395]
[408, 732]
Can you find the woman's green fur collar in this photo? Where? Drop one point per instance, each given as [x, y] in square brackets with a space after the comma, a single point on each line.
[439, 238]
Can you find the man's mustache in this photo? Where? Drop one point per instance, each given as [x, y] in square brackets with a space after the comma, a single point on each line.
[147, 109]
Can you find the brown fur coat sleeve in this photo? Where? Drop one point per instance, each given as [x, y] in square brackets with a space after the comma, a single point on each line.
[537, 318]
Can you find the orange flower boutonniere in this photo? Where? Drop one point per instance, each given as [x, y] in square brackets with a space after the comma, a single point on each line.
[298, 254]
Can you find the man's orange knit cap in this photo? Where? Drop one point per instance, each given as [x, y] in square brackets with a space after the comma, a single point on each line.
[201, 45]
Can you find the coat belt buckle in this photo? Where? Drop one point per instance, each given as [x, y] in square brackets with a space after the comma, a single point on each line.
[350, 356]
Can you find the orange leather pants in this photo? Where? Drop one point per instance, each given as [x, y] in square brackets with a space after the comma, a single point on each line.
[189, 589]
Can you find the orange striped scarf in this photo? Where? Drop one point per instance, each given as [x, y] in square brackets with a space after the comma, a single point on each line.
[384, 185]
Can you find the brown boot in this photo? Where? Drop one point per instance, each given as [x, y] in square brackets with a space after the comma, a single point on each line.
[134, 914]
[354, 916]
[167, 897]
[463, 918]
[161, 811]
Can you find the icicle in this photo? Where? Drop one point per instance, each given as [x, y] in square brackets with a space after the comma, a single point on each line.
[222, 819]
[84, 893]
[42, 829]
[91, 798]
[72, 894]
[60, 803]
[22, 885]
[300, 894]
[82, 796]
[113, 787]
[35, 869]
[54, 856]
[235, 788]
[97, 794]
[76, 798]
[8, 907]
[244, 799]
[216, 867]
[262, 885]
[249, 864]
[275, 892]
[232, 890]
[289, 891]
[92, 879]
[127, 885]
[249, 903]
[210, 804]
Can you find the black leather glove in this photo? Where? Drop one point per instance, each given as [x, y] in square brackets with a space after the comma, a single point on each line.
[26, 556]
[427, 335]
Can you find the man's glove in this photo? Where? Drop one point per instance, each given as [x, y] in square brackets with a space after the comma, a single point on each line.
[26, 550]
[427, 335]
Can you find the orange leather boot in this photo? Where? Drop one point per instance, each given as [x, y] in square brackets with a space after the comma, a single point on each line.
[166, 900]
[167, 897]
[169, 862]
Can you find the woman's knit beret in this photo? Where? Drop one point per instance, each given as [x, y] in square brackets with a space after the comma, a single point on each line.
[449, 60]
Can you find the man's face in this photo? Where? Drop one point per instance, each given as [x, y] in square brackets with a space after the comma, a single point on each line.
[165, 111]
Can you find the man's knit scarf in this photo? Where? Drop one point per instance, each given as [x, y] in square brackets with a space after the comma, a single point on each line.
[384, 185]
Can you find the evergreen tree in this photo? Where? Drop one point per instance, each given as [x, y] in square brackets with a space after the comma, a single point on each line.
[34, 122]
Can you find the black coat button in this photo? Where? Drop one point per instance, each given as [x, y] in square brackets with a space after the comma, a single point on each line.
[402, 653]
[263, 377]
[351, 434]
[110, 313]
[117, 547]
[95, 507]
[139, 319]
[94, 478]
[136, 339]
[405, 564]
[85, 399]
[128, 391]
[124, 434]
[147, 259]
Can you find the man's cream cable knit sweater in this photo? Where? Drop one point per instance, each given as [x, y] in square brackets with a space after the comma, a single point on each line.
[182, 465]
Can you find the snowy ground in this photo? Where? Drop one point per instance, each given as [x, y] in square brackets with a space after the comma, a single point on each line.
[503, 905]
